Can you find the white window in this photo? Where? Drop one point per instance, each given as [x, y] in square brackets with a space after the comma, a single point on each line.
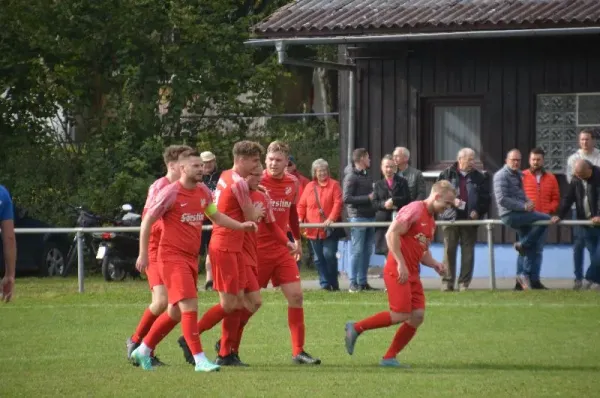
[559, 119]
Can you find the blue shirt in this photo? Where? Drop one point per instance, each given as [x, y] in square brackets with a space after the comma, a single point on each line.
[6, 206]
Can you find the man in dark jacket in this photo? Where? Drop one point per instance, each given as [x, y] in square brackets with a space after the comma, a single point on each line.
[210, 178]
[584, 191]
[472, 203]
[358, 197]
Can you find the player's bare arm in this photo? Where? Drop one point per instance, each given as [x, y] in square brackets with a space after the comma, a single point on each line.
[9, 244]
[227, 222]
[145, 229]
[392, 237]
[429, 261]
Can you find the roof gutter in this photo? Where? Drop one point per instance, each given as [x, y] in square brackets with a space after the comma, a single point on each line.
[478, 34]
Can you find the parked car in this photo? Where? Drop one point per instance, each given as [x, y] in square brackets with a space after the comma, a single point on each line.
[43, 252]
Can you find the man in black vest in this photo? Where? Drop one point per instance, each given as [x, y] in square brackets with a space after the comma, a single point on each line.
[584, 191]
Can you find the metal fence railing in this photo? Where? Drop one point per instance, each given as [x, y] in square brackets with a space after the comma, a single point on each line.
[489, 224]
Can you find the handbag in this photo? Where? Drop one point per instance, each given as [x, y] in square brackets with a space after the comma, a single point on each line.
[335, 233]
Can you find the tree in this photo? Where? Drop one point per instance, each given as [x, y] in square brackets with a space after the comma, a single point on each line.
[99, 66]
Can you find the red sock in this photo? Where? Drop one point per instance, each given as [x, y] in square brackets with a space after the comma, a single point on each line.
[210, 318]
[377, 321]
[162, 327]
[296, 324]
[229, 331]
[245, 317]
[189, 327]
[144, 326]
[402, 337]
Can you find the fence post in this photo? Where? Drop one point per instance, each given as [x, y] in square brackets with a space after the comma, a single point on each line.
[491, 260]
[80, 270]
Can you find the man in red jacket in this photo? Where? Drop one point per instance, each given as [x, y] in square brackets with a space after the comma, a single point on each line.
[541, 188]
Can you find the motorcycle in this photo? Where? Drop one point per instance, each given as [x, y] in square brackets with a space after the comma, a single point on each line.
[118, 251]
[85, 219]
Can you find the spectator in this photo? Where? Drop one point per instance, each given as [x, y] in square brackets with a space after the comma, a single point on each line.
[516, 212]
[541, 188]
[210, 178]
[416, 181]
[358, 197]
[587, 150]
[321, 202]
[9, 243]
[472, 203]
[584, 191]
[389, 195]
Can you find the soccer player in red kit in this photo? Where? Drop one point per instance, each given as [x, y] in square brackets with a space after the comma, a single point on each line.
[408, 239]
[232, 197]
[157, 286]
[275, 263]
[252, 298]
[182, 207]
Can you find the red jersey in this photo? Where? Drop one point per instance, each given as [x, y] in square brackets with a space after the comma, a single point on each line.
[249, 248]
[302, 180]
[156, 231]
[284, 194]
[182, 211]
[415, 242]
[231, 195]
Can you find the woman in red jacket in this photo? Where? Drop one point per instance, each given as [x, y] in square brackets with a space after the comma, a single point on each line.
[321, 202]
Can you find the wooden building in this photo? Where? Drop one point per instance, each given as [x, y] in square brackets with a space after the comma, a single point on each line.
[503, 82]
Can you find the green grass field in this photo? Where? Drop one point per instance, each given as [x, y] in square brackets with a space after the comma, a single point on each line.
[56, 342]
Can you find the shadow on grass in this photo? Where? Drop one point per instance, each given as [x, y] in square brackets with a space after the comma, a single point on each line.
[423, 368]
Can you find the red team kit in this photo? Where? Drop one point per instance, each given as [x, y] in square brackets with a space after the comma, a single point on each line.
[247, 261]
[182, 213]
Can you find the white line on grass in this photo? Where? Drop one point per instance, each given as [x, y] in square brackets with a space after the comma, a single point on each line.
[509, 304]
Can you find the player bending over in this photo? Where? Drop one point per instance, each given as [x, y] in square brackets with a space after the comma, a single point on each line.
[232, 198]
[408, 239]
[252, 299]
[182, 207]
[157, 286]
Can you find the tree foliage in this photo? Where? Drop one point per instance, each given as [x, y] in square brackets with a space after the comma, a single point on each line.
[123, 73]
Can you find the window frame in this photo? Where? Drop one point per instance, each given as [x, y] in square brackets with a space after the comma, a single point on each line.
[577, 95]
[577, 127]
[428, 161]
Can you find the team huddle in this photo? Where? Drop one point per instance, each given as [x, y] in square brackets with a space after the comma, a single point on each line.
[251, 210]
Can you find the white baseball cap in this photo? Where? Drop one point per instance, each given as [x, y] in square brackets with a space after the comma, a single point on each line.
[207, 156]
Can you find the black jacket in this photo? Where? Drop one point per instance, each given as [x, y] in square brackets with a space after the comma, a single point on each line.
[400, 195]
[576, 193]
[478, 193]
[211, 181]
[357, 186]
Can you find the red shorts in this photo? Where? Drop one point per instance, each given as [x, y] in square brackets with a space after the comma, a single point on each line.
[180, 275]
[153, 271]
[251, 279]
[229, 273]
[279, 268]
[404, 298]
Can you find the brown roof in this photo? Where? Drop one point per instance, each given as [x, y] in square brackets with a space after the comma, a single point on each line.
[342, 17]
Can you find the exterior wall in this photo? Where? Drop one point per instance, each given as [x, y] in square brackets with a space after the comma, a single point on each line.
[507, 75]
